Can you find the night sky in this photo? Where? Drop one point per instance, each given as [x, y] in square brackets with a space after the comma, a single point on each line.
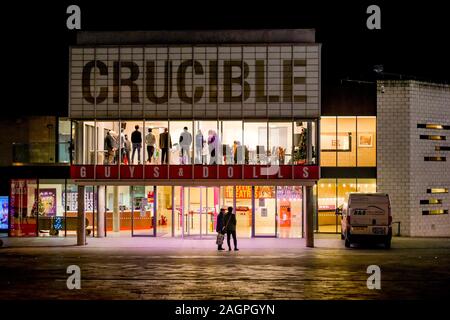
[412, 42]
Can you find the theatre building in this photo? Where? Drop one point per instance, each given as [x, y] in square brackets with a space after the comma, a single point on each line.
[164, 129]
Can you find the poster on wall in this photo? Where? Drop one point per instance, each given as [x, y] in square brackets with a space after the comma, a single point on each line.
[365, 140]
[70, 200]
[47, 202]
[333, 142]
[245, 192]
[3, 213]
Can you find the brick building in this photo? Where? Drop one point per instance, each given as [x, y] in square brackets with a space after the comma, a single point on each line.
[413, 125]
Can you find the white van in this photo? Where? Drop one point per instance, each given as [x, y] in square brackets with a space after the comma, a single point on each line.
[366, 217]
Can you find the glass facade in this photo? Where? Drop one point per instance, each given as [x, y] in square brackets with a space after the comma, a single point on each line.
[46, 207]
[348, 141]
[188, 142]
[331, 194]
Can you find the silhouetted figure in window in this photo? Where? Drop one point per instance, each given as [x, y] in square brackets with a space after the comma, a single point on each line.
[136, 141]
[165, 143]
[185, 144]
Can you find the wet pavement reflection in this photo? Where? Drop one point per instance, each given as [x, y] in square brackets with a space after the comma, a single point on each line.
[412, 269]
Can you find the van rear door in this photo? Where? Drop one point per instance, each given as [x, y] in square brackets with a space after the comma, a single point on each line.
[366, 210]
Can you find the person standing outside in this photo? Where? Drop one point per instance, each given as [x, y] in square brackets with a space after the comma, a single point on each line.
[230, 222]
[165, 142]
[220, 226]
[150, 141]
[185, 144]
[136, 141]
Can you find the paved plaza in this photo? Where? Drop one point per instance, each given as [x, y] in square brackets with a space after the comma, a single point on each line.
[167, 268]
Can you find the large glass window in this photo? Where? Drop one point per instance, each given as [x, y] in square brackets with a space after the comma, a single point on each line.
[178, 202]
[255, 139]
[181, 136]
[366, 141]
[326, 219]
[205, 141]
[164, 210]
[24, 208]
[51, 207]
[97, 142]
[70, 202]
[332, 193]
[328, 142]
[346, 141]
[157, 141]
[120, 204]
[132, 142]
[367, 185]
[280, 142]
[64, 146]
[243, 208]
[290, 211]
[265, 211]
[233, 149]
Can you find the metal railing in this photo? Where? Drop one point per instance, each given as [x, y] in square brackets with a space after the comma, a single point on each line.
[40, 153]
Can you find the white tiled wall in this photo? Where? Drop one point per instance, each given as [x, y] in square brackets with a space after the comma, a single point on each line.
[401, 169]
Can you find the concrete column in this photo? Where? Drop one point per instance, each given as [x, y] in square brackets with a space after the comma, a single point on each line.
[101, 211]
[309, 142]
[116, 213]
[81, 225]
[309, 217]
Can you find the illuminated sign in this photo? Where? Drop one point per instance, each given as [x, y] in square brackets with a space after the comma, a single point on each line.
[183, 81]
[197, 172]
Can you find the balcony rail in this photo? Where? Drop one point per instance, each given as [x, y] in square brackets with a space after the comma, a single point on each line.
[40, 153]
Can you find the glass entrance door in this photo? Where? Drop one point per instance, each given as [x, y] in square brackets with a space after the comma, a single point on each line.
[197, 211]
[143, 221]
[265, 218]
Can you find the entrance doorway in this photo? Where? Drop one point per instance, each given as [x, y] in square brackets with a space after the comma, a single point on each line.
[196, 210]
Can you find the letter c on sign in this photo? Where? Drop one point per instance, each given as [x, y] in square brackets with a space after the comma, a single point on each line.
[83, 172]
[305, 172]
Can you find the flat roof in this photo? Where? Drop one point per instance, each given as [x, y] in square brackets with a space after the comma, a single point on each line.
[196, 37]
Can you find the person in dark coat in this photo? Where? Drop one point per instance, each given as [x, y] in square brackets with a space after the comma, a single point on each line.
[229, 221]
[165, 143]
[220, 226]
